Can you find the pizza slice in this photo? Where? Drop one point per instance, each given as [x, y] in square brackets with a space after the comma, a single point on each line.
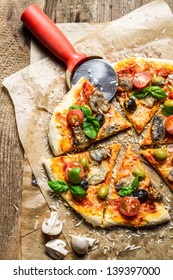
[161, 160]
[134, 200]
[160, 130]
[83, 180]
[84, 116]
[144, 83]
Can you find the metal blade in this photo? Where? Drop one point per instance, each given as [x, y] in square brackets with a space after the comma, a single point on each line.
[100, 74]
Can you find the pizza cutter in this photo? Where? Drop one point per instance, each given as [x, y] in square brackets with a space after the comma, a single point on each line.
[99, 72]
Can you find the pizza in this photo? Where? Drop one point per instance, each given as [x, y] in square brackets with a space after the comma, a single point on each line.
[134, 200]
[161, 159]
[85, 180]
[84, 116]
[144, 84]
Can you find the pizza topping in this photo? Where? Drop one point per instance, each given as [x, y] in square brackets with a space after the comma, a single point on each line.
[103, 192]
[139, 172]
[80, 137]
[168, 107]
[58, 186]
[73, 171]
[84, 184]
[126, 83]
[158, 81]
[75, 117]
[96, 175]
[141, 79]
[84, 162]
[141, 194]
[130, 105]
[155, 91]
[160, 154]
[170, 95]
[101, 118]
[85, 110]
[153, 193]
[98, 102]
[78, 192]
[91, 126]
[158, 128]
[170, 174]
[169, 124]
[129, 206]
[100, 154]
[129, 189]
[149, 101]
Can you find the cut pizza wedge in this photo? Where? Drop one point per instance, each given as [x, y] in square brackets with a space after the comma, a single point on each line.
[160, 130]
[143, 85]
[84, 116]
[161, 160]
[134, 201]
[83, 180]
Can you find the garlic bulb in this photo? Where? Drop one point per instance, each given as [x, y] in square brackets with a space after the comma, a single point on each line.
[55, 249]
[80, 244]
[52, 226]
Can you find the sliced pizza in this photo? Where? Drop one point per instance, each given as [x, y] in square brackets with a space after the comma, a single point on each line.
[134, 200]
[161, 159]
[160, 130]
[84, 116]
[83, 180]
[144, 83]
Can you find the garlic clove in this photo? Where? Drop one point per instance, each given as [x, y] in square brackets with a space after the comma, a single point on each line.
[52, 226]
[55, 249]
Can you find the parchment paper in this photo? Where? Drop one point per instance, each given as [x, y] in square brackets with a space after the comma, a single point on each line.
[37, 89]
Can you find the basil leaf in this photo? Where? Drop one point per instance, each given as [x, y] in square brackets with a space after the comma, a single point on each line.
[58, 186]
[167, 111]
[74, 175]
[127, 190]
[85, 110]
[140, 94]
[155, 91]
[91, 126]
[78, 192]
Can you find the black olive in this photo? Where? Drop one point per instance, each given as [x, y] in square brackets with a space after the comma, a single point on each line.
[141, 194]
[75, 142]
[84, 184]
[101, 118]
[130, 105]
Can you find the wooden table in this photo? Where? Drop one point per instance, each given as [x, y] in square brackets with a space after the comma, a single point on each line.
[14, 53]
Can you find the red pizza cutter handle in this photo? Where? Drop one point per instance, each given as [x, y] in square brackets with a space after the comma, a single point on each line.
[51, 36]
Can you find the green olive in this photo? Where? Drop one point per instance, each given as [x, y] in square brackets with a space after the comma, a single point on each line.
[139, 172]
[168, 103]
[158, 81]
[103, 192]
[84, 162]
[160, 154]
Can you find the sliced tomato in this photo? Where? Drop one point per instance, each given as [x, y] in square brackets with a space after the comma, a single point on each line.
[141, 79]
[72, 165]
[170, 95]
[129, 206]
[75, 117]
[169, 124]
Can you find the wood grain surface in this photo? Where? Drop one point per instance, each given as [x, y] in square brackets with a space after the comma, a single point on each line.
[14, 55]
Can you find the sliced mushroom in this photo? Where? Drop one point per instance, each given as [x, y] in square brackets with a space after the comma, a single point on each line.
[98, 102]
[52, 225]
[55, 249]
[96, 175]
[170, 174]
[148, 101]
[80, 137]
[158, 130]
[100, 154]
[81, 245]
[153, 193]
[109, 129]
[125, 181]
